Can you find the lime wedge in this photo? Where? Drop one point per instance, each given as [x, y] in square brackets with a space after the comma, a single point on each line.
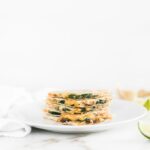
[144, 126]
[147, 104]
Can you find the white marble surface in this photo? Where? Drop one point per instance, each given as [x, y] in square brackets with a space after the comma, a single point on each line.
[123, 138]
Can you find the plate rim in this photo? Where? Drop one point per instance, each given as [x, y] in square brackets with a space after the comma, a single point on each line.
[53, 127]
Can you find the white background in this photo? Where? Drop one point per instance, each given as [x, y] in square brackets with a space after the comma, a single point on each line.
[74, 43]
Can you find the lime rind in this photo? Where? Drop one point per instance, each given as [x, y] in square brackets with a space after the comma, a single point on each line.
[144, 126]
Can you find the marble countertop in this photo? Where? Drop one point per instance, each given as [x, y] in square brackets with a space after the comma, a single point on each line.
[124, 137]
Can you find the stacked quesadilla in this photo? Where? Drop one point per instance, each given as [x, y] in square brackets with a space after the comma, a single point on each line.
[78, 107]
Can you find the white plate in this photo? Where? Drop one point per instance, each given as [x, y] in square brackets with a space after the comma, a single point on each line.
[123, 112]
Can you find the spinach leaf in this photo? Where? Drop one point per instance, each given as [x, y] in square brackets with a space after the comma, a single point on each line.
[87, 120]
[55, 113]
[72, 96]
[83, 109]
[100, 101]
[62, 101]
[66, 109]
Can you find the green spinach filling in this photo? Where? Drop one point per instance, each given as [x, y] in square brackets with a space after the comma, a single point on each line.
[55, 113]
[87, 120]
[82, 96]
[83, 109]
[100, 101]
[62, 101]
[66, 109]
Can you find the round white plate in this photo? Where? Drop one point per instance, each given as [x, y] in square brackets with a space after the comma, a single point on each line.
[122, 111]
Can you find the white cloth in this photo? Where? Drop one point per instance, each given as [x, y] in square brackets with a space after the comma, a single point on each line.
[9, 98]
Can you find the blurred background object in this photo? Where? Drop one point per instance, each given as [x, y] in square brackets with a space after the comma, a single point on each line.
[143, 93]
[126, 94]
